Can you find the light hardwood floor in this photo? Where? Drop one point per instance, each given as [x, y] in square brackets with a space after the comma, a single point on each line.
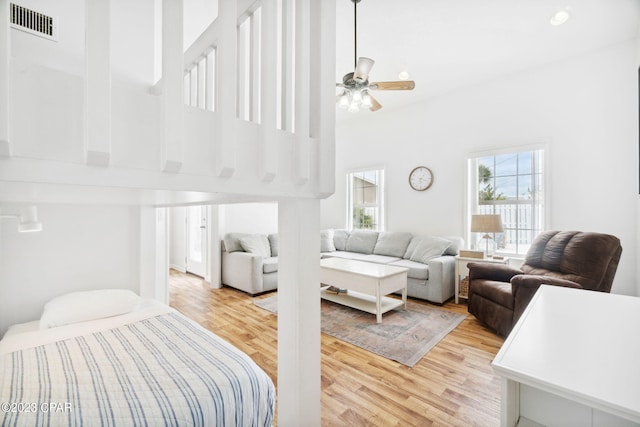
[453, 385]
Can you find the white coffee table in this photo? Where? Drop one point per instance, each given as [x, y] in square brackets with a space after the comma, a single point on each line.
[366, 285]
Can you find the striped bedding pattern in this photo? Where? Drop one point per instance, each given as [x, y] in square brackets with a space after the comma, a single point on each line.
[160, 371]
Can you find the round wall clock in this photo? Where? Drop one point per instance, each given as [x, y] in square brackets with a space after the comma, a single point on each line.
[420, 178]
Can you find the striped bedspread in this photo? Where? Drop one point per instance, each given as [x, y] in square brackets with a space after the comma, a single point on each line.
[162, 370]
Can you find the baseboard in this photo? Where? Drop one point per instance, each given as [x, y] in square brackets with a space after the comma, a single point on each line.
[179, 268]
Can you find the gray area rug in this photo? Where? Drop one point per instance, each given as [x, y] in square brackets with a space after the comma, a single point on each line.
[404, 335]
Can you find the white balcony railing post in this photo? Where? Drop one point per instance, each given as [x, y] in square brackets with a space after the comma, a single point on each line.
[5, 69]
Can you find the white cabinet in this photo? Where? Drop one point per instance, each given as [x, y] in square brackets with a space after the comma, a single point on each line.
[572, 360]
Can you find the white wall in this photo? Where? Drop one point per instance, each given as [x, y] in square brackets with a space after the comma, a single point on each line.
[81, 247]
[177, 238]
[585, 108]
[132, 39]
[259, 218]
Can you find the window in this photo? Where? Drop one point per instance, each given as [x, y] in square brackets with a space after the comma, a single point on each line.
[510, 184]
[365, 190]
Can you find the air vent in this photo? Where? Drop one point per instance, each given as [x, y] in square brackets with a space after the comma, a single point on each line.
[33, 22]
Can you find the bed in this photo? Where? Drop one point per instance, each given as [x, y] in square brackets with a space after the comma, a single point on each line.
[145, 365]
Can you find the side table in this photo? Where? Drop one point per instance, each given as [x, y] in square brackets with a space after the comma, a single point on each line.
[462, 272]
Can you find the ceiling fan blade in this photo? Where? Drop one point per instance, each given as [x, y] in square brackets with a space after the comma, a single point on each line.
[399, 85]
[375, 105]
[363, 67]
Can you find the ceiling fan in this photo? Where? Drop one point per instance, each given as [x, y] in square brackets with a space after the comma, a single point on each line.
[355, 93]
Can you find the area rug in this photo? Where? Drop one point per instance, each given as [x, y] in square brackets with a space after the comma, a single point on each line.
[404, 335]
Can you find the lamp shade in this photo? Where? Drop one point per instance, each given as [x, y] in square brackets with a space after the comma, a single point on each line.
[486, 224]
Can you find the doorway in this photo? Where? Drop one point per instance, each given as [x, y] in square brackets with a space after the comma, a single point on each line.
[196, 240]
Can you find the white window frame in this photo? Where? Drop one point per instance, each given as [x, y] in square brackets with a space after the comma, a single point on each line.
[472, 189]
[380, 196]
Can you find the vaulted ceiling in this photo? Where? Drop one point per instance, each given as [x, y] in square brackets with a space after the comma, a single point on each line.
[449, 44]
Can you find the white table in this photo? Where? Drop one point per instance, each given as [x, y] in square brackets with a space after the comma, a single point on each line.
[366, 283]
[572, 359]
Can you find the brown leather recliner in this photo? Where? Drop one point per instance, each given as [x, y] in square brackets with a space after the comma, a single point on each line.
[498, 293]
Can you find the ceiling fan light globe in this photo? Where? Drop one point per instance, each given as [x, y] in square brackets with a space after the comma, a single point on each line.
[344, 101]
[366, 100]
[357, 97]
[353, 108]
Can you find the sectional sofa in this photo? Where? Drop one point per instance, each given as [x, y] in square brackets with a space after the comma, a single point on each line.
[250, 261]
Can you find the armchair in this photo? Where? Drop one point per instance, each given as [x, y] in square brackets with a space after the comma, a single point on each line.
[498, 294]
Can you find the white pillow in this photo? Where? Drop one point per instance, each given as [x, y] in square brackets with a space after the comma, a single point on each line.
[256, 244]
[428, 248]
[326, 241]
[88, 305]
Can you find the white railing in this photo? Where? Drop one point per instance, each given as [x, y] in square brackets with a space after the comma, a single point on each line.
[199, 81]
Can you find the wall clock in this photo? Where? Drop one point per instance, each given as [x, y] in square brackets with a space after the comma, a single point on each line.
[420, 178]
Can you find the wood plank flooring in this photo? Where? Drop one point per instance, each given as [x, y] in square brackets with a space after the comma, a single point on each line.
[453, 385]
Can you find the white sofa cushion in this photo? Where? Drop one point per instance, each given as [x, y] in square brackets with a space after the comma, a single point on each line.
[428, 248]
[456, 244]
[362, 241]
[340, 239]
[232, 241]
[274, 242]
[392, 243]
[346, 254]
[381, 259]
[417, 270]
[270, 265]
[415, 240]
[256, 244]
[326, 241]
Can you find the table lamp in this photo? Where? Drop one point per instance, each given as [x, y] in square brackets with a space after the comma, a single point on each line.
[486, 224]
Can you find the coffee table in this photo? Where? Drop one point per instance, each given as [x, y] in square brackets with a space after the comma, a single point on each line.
[363, 285]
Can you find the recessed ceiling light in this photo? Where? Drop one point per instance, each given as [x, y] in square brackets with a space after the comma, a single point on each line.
[560, 17]
[403, 75]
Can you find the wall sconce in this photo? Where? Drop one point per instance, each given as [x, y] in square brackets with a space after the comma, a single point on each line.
[28, 218]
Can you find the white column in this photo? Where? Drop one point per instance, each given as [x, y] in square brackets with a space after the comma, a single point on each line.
[97, 82]
[213, 235]
[172, 85]
[5, 70]
[268, 148]
[226, 86]
[299, 313]
[288, 17]
[154, 253]
[304, 144]
[322, 105]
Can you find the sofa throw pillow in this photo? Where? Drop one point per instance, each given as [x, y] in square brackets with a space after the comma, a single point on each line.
[340, 239]
[326, 241]
[274, 243]
[256, 244]
[415, 241]
[428, 248]
[456, 244]
[362, 241]
[392, 243]
[232, 241]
